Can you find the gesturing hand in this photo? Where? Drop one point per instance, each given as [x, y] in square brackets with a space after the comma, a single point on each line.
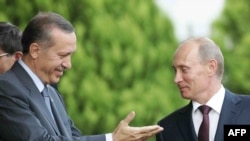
[124, 132]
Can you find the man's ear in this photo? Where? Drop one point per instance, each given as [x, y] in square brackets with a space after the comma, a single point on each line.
[34, 50]
[212, 67]
[18, 55]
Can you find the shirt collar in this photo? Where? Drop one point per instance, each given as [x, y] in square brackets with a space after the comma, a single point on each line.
[33, 76]
[214, 102]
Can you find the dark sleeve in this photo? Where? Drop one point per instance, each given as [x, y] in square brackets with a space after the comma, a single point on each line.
[18, 121]
[76, 133]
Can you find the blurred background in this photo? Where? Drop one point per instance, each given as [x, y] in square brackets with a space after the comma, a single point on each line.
[125, 48]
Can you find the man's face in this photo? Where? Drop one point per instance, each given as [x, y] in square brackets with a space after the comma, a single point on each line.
[191, 75]
[6, 61]
[49, 63]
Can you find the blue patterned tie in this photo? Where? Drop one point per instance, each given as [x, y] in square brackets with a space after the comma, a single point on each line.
[46, 97]
[56, 116]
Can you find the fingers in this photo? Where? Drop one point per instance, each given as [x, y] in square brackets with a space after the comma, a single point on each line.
[149, 131]
[129, 118]
[124, 132]
[151, 128]
[154, 131]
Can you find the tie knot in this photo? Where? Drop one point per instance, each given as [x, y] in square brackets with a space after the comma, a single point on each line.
[45, 92]
[205, 109]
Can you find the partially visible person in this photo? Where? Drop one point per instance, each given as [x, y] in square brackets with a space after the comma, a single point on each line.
[10, 45]
[199, 66]
[32, 110]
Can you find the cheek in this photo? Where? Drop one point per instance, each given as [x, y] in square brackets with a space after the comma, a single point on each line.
[197, 76]
[188, 77]
[46, 65]
[192, 81]
[199, 83]
[8, 62]
[53, 66]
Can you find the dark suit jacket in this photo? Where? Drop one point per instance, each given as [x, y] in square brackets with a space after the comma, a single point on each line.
[178, 126]
[25, 117]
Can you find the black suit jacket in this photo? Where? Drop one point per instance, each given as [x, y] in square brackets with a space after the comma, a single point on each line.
[25, 117]
[178, 126]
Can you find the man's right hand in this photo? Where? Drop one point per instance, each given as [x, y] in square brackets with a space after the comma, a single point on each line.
[124, 132]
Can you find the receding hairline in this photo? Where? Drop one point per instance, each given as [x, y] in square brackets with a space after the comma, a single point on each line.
[198, 40]
[207, 50]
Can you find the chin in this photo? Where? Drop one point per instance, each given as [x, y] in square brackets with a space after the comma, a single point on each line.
[185, 95]
[55, 80]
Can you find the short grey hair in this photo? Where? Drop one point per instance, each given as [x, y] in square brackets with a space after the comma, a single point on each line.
[208, 50]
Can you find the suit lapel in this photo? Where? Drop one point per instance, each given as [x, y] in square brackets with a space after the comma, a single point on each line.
[39, 100]
[59, 112]
[185, 118]
[36, 96]
[228, 114]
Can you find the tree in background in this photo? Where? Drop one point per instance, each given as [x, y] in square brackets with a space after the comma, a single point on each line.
[123, 61]
[232, 32]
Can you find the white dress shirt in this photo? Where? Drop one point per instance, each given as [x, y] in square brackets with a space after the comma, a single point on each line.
[216, 104]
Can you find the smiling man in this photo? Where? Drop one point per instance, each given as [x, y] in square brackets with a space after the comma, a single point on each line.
[199, 66]
[32, 110]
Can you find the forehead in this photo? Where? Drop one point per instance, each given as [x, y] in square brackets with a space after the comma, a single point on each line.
[62, 39]
[186, 54]
[58, 34]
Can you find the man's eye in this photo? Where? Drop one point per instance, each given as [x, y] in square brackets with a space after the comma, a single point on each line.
[184, 69]
[63, 55]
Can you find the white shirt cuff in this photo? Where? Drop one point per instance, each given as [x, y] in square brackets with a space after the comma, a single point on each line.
[109, 137]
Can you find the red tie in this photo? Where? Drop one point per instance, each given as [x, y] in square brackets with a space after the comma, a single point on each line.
[203, 134]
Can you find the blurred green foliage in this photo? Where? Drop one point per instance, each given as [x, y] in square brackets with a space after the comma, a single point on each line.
[124, 57]
[123, 61]
[231, 31]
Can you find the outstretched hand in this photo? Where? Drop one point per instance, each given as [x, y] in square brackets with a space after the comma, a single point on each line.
[124, 132]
